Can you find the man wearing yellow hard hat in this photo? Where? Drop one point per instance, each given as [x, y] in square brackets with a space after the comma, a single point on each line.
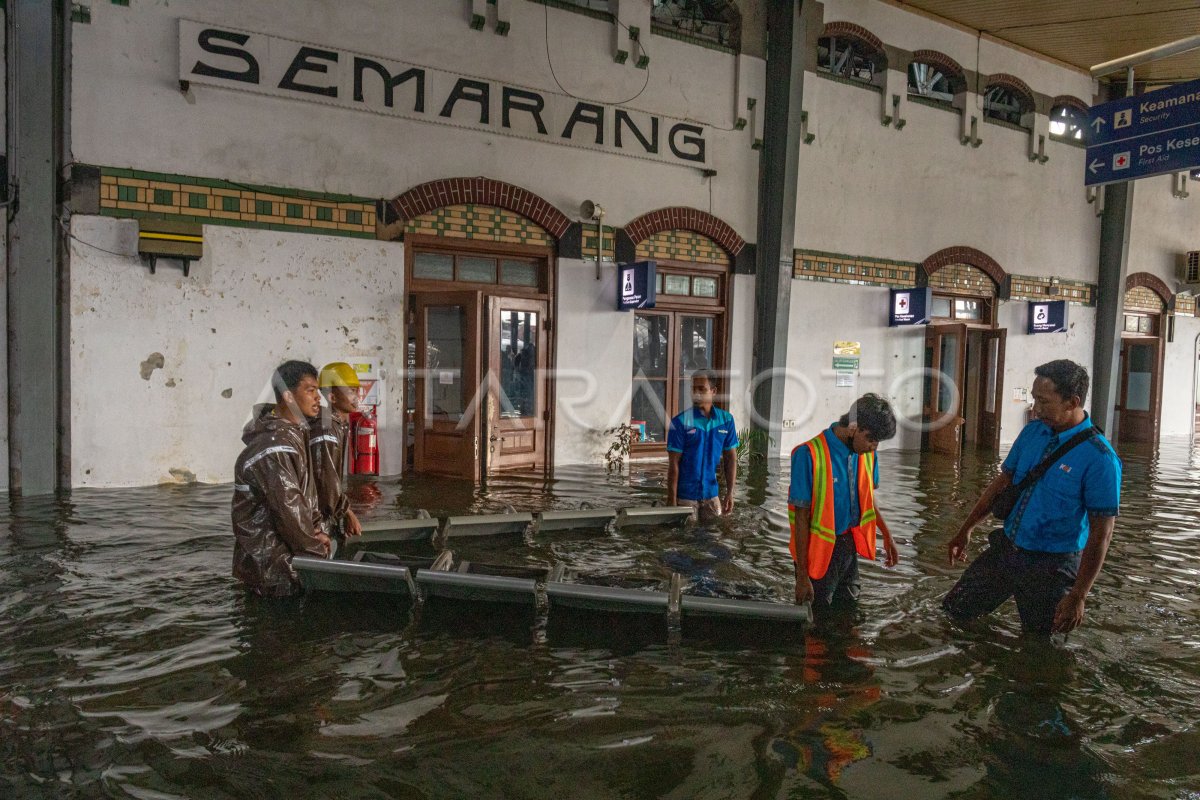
[328, 434]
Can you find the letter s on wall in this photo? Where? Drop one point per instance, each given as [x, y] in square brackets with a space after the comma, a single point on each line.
[207, 44]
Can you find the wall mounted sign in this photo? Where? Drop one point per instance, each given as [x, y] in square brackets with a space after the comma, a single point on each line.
[847, 348]
[1148, 134]
[216, 55]
[635, 285]
[1047, 316]
[909, 307]
[845, 362]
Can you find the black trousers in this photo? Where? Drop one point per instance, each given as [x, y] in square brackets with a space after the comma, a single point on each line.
[1037, 580]
[840, 585]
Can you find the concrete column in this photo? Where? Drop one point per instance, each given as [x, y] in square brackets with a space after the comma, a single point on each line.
[35, 97]
[778, 175]
[1110, 300]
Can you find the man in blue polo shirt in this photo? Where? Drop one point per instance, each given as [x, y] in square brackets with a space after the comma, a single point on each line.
[1055, 538]
[701, 439]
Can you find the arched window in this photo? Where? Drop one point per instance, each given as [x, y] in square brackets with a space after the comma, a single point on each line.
[935, 76]
[850, 52]
[1068, 118]
[1007, 99]
[715, 21]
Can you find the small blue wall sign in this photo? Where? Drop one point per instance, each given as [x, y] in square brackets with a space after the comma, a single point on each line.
[635, 285]
[1047, 316]
[909, 307]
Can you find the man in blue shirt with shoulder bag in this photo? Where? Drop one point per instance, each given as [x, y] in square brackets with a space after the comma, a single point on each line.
[1058, 492]
[700, 441]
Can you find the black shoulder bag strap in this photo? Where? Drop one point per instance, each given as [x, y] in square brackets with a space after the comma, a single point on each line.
[1006, 501]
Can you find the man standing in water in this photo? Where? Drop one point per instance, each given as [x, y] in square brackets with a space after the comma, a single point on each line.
[275, 512]
[1062, 482]
[699, 440]
[831, 505]
[328, 432]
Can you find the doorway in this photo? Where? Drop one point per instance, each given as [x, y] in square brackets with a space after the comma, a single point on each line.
[964, 387]
[478, 394]
[1139, 400]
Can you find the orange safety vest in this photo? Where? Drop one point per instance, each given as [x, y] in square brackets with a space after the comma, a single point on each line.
[822, 528]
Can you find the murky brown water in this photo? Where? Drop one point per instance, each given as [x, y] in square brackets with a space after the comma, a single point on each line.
[131, 665]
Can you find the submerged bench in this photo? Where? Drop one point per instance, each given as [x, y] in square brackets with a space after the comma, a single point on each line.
[319, 575]
[550, 521]
[653, 515]
[477, 588]
[720, 608]
[486, 524]
[610, 599]
[386, 534]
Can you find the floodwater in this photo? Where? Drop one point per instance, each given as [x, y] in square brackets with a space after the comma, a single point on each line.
[132, 665]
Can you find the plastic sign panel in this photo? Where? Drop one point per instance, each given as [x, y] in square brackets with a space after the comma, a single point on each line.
[635, 285]
[909, 307]
[1148, 134]
[1047, 316]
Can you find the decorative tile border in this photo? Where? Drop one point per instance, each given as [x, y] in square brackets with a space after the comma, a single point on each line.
[134, 193]
[483, 223]
[1032, 287]
[682, 245]
[815, 265]
[1185, 306]
[588, 239]
[1141, 298]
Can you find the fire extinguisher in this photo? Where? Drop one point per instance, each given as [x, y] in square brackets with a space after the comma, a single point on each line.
[364, 439]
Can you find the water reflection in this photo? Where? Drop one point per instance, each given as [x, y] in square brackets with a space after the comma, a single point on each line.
[132, 665]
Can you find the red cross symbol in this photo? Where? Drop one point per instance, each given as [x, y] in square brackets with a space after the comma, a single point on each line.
[904, 302]
[1121, 161]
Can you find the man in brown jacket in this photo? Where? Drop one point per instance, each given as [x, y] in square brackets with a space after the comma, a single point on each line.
[328, 432]
[275, 513]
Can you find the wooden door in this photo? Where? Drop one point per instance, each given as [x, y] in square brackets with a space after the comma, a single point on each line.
[518, 361]
[447, 416]
[991, 388]
[945, 359]
[1141, 382]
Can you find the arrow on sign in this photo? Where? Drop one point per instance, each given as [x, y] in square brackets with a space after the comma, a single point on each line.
[1098, 123]
[1095, 165]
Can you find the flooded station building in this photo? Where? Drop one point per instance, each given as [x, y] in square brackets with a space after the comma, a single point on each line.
[443, 193]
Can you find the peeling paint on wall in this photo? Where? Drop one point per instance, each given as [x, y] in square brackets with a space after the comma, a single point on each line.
[153, 361]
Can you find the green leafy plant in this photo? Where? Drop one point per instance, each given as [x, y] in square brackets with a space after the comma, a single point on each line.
[623, 437]
[751, 444]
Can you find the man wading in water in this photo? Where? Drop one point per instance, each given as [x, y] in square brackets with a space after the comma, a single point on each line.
[1058, 494]
[328, 432]
[275, 513]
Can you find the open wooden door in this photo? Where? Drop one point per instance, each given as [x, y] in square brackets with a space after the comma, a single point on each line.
[447, 417]
[945, 361]
[991, 395]
[518, 361]
[1141, 389]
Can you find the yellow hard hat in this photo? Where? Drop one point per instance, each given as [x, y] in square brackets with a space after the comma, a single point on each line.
[339, 373]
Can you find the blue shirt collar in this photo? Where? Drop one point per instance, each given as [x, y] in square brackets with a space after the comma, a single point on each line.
[1069, 432]
[836, 446]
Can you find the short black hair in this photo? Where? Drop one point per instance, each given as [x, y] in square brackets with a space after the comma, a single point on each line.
[874, 415]
[288, 375]
[707, 375]
[1069, 379]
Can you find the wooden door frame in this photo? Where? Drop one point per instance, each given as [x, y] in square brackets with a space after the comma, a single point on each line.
[548, 292]
[1000, 334]
[491, 308]
[936, 332]
[474, 300]
[1159, 342]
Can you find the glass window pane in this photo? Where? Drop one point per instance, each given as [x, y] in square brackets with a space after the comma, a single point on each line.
[1145, 325]
[1131, 323]
[966, 309]
[677, 284]
[704, 287]
[519, 273]
[947, 391]
[649, 408]
[695, 345]
[940, 307]
[476, 270]
[433, 266]
[989, 388]
[445, 327]
[650, 345]
[658, 283]
[518, 363]
[1141, 373]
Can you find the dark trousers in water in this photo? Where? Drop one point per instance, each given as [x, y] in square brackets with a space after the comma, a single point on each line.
[840, 585]
[1038, 581]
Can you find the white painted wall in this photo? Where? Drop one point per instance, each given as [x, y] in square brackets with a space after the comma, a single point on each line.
[595, 362]
[1180, 369]
[257, 298]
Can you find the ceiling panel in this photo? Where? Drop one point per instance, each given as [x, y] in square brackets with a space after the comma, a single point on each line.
[1083, 32]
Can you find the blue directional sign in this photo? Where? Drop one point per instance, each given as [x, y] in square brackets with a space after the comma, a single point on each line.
[1149, 134]
[635, 285]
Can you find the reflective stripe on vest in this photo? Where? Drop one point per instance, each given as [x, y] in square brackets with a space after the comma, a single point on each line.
[822, 534]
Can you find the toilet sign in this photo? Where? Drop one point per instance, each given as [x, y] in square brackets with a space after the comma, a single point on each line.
[1047, 316]
[909, 307]
[635, 285]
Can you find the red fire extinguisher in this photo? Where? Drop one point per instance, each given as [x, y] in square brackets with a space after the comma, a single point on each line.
[364, 456]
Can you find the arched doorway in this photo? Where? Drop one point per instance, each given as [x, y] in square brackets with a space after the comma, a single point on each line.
[1143, 333]
[479, 320]
[964, 353]
[687, 330]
